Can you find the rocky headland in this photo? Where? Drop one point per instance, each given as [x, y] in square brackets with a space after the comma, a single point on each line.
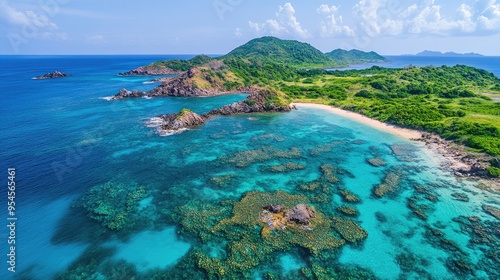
[461, 162]
[52, 75]
[150, 70]
[258, 101]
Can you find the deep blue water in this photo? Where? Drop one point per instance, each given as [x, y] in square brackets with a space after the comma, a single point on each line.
[63, 139]
[489, 63]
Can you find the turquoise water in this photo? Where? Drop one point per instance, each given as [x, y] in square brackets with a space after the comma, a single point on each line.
[65, 140]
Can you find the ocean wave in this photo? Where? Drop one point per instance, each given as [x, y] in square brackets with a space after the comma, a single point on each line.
[107, 98]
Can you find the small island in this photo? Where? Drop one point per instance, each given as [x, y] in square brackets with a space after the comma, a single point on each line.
[52, 75]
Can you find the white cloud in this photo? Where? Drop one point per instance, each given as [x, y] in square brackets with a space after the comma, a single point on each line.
[332, 25]
[238, 32]
[18, 18]
[96, 39]
[375, 18]
[285, 24]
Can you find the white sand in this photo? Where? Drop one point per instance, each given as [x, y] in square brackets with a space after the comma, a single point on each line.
[398, 131]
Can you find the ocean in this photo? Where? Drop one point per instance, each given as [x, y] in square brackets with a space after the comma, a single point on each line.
[99, 195]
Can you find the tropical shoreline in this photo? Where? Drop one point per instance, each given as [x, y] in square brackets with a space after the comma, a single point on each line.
[453, 157]
[398, 131]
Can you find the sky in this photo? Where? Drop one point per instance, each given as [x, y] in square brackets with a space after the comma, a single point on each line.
[389, 27]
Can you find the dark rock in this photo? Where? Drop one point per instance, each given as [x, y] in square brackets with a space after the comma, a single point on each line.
[301, 214]
[274, 208]
[149, 70]
[52, 75]
[256, 102]
[172, 123]
[124, 93]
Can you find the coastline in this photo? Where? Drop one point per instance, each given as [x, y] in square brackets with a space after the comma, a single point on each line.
[409, 134]
[451, 157]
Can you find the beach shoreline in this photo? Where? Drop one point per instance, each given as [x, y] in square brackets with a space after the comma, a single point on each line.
[453, 157]
[409, 134]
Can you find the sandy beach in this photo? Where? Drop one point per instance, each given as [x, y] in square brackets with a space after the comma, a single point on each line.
[450, 156]
[401, 132]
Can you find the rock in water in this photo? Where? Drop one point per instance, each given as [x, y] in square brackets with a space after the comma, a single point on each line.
[301, 214]
[52, 75]
[174, 123]
[124, 93]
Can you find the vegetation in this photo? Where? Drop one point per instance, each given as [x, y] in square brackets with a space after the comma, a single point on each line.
[182, 65]
[444, 100]
[454, 102]
[288, 52]
[355, 56]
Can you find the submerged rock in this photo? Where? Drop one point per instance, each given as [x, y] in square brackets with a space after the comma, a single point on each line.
[52, 75]
[376, 162]
[493, 211]
[389, 184]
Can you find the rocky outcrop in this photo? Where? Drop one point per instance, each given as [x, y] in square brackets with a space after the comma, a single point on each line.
[258, 101]
[462, 162]
[124, 93]
[274, 208]
[52, 75]
[149, 70]
[301, 214]
[174, 123]
[278, 217]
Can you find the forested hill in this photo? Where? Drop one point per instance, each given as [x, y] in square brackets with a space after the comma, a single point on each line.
[355, 56]
[294, 53]
[289, 52]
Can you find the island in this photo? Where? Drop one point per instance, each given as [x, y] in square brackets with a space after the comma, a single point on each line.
[454, 104]
[448, 54]
[52, 75]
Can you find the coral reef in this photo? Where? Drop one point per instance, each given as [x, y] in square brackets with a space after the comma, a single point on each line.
[348, 211]
[460, 197]
[325, 148]
[329, 172]
[389, 184]
[317, 191]
[249, 157]
[285, 167]
[349, 230]
[376, 162]
[493, 211]
[113, 205]
[260, 225]
[222, 181]
[348, 196]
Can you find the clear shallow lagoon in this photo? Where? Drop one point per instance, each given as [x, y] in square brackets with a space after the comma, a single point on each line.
[64, 139]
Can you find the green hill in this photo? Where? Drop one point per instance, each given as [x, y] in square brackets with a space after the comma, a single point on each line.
[182, 65]
[355, 56]
[289, 52]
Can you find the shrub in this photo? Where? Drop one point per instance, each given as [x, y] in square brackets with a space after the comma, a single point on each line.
[364, 93]
[493, 171]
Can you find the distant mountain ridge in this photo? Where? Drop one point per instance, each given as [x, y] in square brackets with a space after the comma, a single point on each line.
[300, 54]
[448, 54]
[355, 56]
